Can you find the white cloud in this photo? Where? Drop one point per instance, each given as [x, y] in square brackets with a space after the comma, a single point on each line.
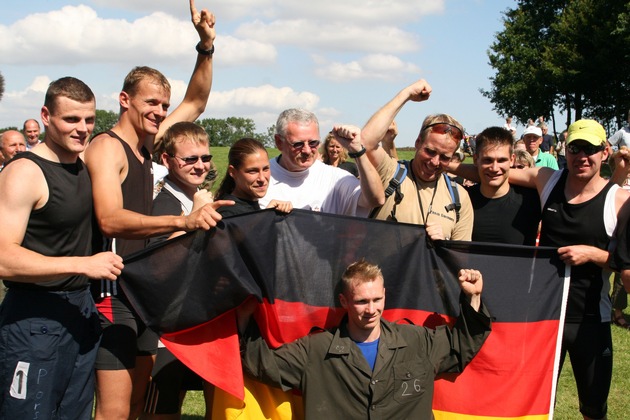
[355, 11]
[374, 66]
[262, 103]
[75, 34]
[331, 36]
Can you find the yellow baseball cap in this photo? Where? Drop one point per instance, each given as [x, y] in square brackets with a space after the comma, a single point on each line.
[587, 130]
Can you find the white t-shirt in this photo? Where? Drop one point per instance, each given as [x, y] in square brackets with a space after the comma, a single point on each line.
[620, 138]
[321, 187]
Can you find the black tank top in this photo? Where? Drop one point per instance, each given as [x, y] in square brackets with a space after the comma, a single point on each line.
[63, 226]
[566, 224]
[137, 192]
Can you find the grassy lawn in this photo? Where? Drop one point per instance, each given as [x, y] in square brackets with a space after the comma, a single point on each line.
[567, 403]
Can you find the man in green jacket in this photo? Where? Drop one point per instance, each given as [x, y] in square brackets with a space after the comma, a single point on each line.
[369, 367]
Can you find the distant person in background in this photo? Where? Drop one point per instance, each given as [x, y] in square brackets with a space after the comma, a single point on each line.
[547, 144]
[11, 143]
[520, 145]
[509, 127]
[561, 151]
[621, 137]
[31, 131]
[335, 154]
[247, 179]
[532, 136]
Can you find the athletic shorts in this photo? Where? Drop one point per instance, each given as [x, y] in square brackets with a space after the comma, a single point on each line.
[124, 335]
[48, 344]
[168, 379]
[589, 345]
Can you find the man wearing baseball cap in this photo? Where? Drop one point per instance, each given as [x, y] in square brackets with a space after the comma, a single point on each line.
[579, 216]
[532, 136]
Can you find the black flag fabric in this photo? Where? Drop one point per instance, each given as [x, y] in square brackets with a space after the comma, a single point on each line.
[187, 288]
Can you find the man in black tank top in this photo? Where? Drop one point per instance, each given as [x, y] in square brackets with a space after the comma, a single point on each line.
[49, 327]
[119, 163]
[579, 216]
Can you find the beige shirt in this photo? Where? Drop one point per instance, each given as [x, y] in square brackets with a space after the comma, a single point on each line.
[433, 205]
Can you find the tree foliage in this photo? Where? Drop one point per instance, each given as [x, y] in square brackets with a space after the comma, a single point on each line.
[225, 132]
[562, 55]
[105, 120]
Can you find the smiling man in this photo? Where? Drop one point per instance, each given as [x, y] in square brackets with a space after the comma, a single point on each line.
[369, 367]
[503, 213]
[119, 162]
[298, 176]
[49, 327]
[424, 197]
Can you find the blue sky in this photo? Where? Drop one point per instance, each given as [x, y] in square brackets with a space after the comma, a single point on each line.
[341, 59]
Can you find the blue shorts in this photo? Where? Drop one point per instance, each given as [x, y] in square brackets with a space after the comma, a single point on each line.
[48, 344]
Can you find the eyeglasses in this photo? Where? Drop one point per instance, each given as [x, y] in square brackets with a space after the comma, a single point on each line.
[446, 128]
[191, 160]
[299, 145]
[520, 166]
[587, 148]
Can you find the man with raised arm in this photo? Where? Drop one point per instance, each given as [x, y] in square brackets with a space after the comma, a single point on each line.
[49, 326]
[368, 367]
[424, 196]
[119, 162]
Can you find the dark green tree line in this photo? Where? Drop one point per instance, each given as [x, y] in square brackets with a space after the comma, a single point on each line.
[562, 55]
[225, 132]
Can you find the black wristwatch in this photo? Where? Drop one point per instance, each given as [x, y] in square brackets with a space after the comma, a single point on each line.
[204, 52]
[360, 153]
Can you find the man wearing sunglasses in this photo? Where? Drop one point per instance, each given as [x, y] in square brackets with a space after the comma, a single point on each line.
[424, 196]
[579, 216]
[298, 176]
[119, 163]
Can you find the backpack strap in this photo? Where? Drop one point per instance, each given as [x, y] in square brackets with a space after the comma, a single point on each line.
[455, 205]
[394, 186]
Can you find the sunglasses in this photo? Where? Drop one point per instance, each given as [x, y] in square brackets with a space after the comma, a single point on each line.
[587, 148]
[299, 145]
[191, 160]
[445, 128]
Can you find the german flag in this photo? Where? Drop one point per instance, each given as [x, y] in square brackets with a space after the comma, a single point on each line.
[187, 289]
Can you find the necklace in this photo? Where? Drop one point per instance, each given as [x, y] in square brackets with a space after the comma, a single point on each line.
[413, 178]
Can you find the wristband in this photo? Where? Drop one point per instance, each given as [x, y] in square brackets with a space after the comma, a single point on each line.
[204, 52]
[360, 153]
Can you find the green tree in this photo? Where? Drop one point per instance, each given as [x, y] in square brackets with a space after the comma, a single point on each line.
[105, 120]
[562, 55]
[225, 132]
[268, 138]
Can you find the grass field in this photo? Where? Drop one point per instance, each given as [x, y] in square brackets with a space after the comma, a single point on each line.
[567, 403]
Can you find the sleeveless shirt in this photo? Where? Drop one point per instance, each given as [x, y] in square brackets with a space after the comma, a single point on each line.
[565, 224]
[63, 226]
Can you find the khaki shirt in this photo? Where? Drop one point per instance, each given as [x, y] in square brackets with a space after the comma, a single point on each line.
[434, 202]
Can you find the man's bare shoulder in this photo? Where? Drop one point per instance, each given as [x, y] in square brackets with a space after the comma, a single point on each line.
[105, 150]
[12, 182]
